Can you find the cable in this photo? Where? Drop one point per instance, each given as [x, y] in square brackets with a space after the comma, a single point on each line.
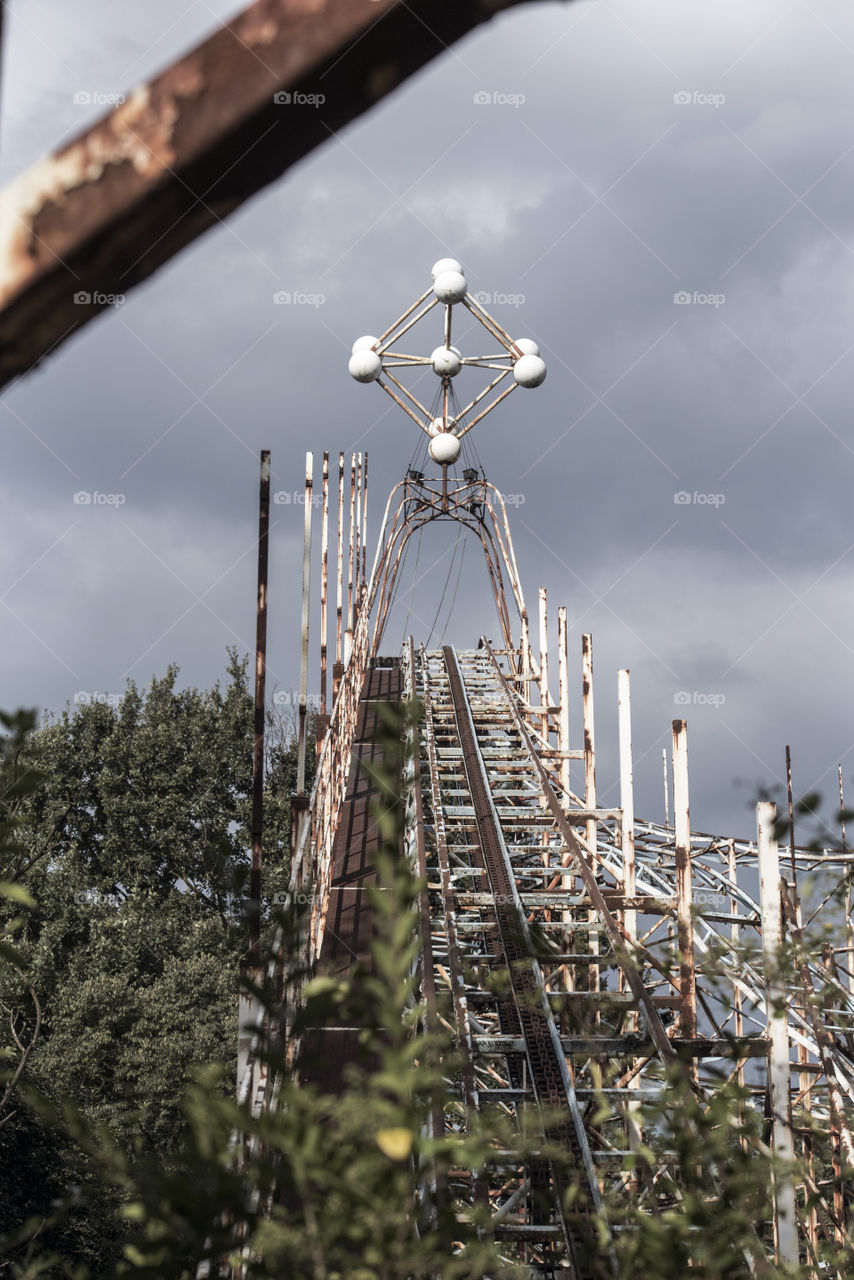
[456, 589]
[445, 588]
[412, 587]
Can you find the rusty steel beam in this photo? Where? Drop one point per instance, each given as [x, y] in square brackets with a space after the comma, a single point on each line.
[258, 739]
[188, 147]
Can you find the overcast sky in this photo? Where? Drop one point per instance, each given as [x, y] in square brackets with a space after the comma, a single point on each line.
[627, 154]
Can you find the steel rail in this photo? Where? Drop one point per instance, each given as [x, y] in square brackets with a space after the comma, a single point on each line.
[543, 1049]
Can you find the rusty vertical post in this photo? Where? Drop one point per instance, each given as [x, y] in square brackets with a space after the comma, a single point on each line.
[684, 892]
[785, 1222]
[735, 937]
[365, 525]
[563, 748]
[590, 788]
[348, 632]
[563, 698]
[324, 589]
[634, 1134]
[525, 646]
[338, 669]
[544, 703]
[299, 800]
[849, 931]
[250, 1011]
[306, 591]
[544, 665]
[357, 574]
[258, 737]
[810, 1212]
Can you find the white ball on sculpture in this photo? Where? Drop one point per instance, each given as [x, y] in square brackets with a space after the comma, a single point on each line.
[447, 362]
[529, 371]
[450, 286]
[446, 264]
[444, 447]
[365, 365]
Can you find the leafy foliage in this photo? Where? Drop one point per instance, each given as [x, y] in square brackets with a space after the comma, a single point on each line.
[132, 839]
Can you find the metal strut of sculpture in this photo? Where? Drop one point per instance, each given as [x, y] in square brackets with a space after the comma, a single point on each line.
[445, 420]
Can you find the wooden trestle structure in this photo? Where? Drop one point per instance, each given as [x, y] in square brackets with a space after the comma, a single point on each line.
[622, 938]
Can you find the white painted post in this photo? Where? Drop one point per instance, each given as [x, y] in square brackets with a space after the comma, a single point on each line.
[563, 692]
[785, 1222]
[627, 802]
[590, 787]
[684, 890]
[544, 665]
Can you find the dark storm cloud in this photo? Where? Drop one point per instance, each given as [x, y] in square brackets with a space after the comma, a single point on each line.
[669, 193]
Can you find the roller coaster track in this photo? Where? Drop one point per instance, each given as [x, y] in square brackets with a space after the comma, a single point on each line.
[578, 949]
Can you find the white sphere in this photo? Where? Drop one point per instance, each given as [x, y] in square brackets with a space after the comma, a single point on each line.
[450, 286]
[446, 361]
[529, 371]
[444, 447]
[446, 264]
[368, 341]
[365, 365]
[527, 346]
[437, 425]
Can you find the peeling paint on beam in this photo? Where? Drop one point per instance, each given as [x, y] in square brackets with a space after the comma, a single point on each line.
[191, 145]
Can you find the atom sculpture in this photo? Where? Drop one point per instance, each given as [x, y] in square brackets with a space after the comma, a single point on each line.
[373, 360]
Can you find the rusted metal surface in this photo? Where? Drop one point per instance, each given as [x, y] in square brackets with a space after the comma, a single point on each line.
[188, 147]
[552, 1083]
[306, 603]
[339, 628]
[324, 581]
[569, 870]
[260, 710]
[585, 868]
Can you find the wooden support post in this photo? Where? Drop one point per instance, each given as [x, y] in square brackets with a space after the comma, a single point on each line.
[785, 1222]
[684, 892]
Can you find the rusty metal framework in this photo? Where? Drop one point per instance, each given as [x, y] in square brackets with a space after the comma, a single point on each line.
[185, 149]
[625, 944]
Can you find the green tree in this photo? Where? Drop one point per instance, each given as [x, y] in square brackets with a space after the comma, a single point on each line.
[132, 839]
